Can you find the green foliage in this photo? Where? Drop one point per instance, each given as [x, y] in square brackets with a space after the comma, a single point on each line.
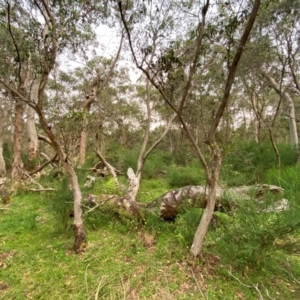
[151, 189]
[7, 155]
[247, 237]
[156, 163]
[105, 186]
[118, 256]
[248, 162]
[182, 176]
[186, 226]
[288, 178]
[127, 159]
[60, 204]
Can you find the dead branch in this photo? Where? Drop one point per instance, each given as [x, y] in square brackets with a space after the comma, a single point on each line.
[253, 286]
[41, 190]
[44, 165]
[199, 288]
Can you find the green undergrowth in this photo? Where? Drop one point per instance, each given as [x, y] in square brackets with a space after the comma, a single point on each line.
[129, 260]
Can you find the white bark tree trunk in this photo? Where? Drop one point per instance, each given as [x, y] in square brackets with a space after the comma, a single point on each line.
[290, 108]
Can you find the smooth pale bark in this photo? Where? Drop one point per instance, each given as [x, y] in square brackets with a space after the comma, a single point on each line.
[33, 143]
[135, 178]
[290, 108]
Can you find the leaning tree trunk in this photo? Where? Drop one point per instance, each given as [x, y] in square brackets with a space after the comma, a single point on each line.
[213, 172]
[211, 203]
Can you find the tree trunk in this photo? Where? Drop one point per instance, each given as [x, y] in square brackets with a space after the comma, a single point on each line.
[209, 210]
[33, 143]
[79, 231]
[17, 164]
[83, 137]
[2, 161]
[290, 108]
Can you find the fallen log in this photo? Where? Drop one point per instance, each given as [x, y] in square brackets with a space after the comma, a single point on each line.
[171, 203]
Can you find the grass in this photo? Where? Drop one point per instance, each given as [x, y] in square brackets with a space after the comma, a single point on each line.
[125, 260]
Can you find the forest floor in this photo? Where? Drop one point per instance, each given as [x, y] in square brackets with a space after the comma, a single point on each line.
[127, 260]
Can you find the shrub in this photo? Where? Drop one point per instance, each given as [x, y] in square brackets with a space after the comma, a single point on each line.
[183, 176]
[249, 235]
[60, 204]
[249, 162]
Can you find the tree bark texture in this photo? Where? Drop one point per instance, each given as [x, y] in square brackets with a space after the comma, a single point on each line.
[211, 203]
[83, 137]
[33, 143]
[2, 161]
[17, 167]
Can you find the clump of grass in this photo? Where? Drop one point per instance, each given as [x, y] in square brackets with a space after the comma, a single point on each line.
[60, 204]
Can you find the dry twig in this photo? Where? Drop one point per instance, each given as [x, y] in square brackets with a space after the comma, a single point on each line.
[199, 288]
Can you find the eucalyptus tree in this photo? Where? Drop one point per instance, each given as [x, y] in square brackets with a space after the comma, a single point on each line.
[37, 32]
[156, 34]
[276, 62]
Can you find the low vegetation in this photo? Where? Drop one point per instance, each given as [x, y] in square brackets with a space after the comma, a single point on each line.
[247, 255]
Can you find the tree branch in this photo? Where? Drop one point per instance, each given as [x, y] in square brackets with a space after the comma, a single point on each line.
[232, 71]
